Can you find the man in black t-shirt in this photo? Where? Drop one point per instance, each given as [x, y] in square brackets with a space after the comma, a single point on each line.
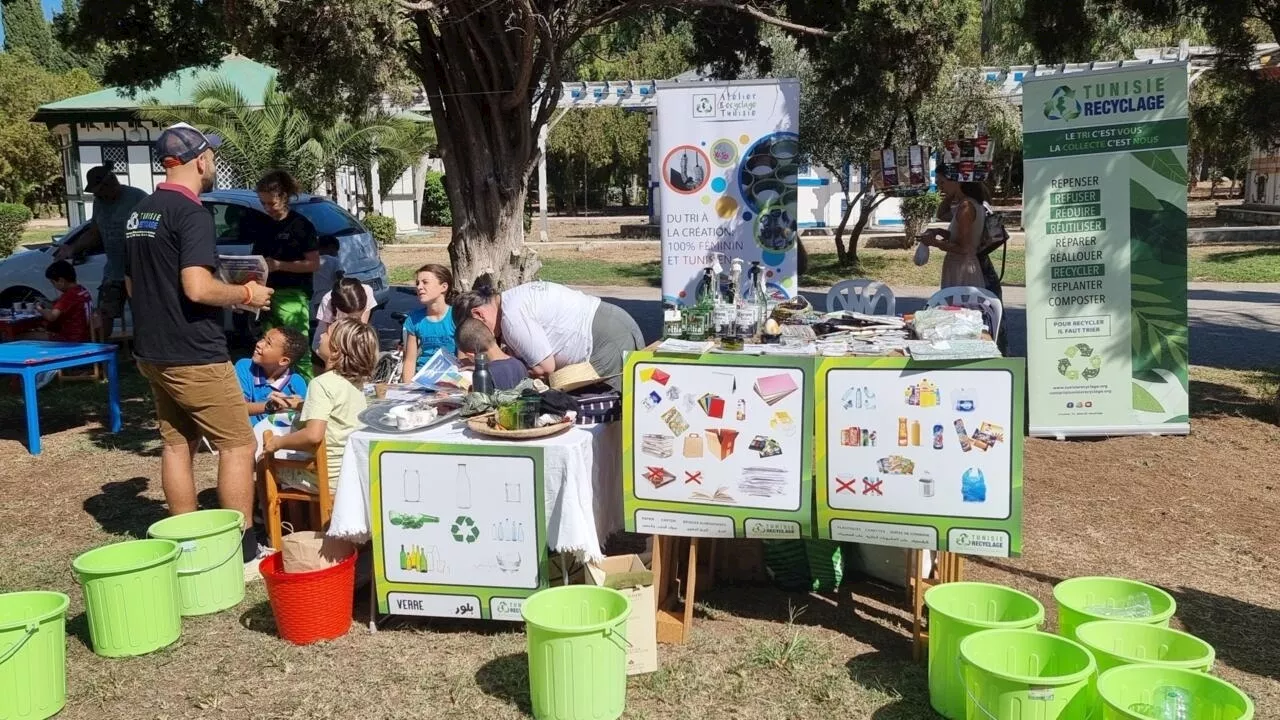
[178, 339]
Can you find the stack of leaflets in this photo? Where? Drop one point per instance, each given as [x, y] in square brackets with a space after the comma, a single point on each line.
[240, 270]
[774, 388]
[659, 446]
[954, 349]
[442, 372]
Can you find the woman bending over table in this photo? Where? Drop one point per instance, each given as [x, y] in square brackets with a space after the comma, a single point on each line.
[551, 326]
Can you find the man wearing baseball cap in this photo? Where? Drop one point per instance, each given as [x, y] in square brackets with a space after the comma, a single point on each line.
[113, 203]
[178, 306]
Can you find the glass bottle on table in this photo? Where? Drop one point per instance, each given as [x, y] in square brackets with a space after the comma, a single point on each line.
[753, 307]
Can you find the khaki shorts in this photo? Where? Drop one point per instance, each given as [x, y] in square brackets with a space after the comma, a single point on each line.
[111, 299]
[194, 401]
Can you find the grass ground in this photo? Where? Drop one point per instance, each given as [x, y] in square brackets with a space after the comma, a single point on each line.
[1194, 514]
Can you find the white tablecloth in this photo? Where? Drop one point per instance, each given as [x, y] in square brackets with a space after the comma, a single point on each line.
[582, 476]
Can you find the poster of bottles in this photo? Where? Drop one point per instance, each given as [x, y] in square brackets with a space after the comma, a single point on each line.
[458, 530]
[718, 445]
[921, 454]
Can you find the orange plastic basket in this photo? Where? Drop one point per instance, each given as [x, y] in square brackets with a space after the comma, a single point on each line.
[310, 606]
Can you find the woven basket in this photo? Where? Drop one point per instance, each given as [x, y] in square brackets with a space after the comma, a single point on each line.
[486, 424]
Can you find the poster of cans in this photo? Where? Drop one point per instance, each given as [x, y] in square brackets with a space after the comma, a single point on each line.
[458, 530]
[717, 446]
[921, 455]
[729, 157]
[967, 159]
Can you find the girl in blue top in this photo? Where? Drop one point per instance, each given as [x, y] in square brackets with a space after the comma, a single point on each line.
[430, 328]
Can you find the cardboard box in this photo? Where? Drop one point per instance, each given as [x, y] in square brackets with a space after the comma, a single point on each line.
[628, 575]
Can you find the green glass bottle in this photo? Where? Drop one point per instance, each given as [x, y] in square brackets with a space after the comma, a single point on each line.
[404, 559]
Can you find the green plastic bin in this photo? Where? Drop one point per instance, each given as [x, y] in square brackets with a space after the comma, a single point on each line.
[1080, 600]
[957, 610]
[577, 638]
[131, 596]
[210, 570]
[1115, 643]
[33, 655]
[1128, 693]
[1027, 675]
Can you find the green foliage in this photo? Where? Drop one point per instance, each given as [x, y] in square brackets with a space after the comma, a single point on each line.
[13, 220]
[382, 227]
[918, 210]
[25, 28]
[401, 147]
[30, 167]
[435, 201]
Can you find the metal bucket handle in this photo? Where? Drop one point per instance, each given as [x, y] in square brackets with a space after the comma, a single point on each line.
[32, 628]
[613, 635]
[189, 545]
[978, 703]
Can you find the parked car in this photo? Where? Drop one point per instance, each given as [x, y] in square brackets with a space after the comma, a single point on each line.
[22, 274]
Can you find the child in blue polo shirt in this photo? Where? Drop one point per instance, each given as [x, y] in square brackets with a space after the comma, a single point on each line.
[270, 370]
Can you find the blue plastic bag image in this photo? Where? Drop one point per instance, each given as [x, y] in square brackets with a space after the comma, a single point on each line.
[973, 486]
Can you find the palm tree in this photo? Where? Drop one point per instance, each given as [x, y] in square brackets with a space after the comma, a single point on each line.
[401, 148]
[274, 134]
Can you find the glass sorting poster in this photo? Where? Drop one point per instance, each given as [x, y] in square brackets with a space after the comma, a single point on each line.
[921, 455]
[717, 446]
[458, 530]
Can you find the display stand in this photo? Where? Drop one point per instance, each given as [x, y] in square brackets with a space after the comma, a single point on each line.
[948, 567]
[674, 621]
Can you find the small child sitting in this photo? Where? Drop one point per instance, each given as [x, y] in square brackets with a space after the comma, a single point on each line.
[347, 297]
[68, 319]
[270, 371]
[474, 338]
[335, 399]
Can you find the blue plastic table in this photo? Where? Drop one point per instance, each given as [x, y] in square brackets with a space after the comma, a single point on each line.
[29, 358]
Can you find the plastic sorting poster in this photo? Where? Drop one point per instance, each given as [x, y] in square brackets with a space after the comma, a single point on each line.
[1105, 168]
[717, 446]
[458, 530]
[730, 159]
[921, 454]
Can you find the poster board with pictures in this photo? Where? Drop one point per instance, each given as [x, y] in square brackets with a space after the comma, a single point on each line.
[921, 454]
[718, 446]
[458, 530]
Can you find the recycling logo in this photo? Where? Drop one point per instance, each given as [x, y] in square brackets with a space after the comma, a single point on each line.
[1079, 361]
[1062, 104]
[464, 530]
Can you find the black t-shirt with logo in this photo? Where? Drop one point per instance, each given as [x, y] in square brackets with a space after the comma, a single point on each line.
[168, 231]
[287, 240]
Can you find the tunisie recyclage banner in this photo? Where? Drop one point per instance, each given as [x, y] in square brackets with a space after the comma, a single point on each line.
[730, 154]
[1105, 210]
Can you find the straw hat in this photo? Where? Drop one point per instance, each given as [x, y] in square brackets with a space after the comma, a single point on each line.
[573, 377]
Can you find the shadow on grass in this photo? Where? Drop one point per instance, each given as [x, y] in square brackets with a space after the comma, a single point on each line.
[894, 676]
[1234, 628]
[507, 678]
[1269, 253]
[259, 619]
[78, 627]
[1209, 399]
[121, 508]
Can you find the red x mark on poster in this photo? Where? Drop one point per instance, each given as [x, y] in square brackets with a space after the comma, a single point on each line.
[692, 477]
[872, 487]
[846, 486]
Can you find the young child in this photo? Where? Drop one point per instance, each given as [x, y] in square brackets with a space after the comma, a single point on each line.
[335, 399]
[431, 328]
[475, 338]
[270, 370]
[347, 297]
[68, 319]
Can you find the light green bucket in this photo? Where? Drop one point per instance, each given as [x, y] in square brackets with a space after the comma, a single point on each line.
[33, 655]
[210, 571]
[1115, 643]
[577, 652]
[131, 596]
[1128, 693]
[1085, 599]
[957, 610]
[1026, 675]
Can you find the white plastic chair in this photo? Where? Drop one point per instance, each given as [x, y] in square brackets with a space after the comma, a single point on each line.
[862, 296]
[972, 297]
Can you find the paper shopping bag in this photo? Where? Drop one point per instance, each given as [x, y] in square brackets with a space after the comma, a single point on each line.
[693, 445]
[307, 551]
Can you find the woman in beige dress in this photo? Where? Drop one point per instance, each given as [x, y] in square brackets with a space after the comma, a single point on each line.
[960, 241]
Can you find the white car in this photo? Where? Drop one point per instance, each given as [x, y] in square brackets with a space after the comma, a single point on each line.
[22, 274]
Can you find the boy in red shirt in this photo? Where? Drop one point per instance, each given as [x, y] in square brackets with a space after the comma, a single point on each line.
[68, 319]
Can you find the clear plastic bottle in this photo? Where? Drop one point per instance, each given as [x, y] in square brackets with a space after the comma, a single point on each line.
[464, 488]
[1172, 703]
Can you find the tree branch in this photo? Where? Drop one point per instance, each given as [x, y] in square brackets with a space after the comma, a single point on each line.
[748, 9]
[531, 31]
[415, 6]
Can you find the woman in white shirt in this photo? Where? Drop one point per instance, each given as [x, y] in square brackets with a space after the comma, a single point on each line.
[551, 326]
[348, 298]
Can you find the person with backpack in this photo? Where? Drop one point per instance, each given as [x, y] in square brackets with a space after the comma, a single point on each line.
[992, 236]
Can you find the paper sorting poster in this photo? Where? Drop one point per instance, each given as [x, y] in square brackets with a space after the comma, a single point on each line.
[459, 530]
[921, 455]
[717, 446]
[730, 159]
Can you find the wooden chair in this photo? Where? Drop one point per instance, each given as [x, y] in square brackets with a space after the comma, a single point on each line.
[319, 504]
[921, 576]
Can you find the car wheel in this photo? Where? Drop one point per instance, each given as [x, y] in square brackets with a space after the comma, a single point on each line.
[20, 295]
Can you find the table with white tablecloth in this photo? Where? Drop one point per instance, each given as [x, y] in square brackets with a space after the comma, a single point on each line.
[582, 478]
